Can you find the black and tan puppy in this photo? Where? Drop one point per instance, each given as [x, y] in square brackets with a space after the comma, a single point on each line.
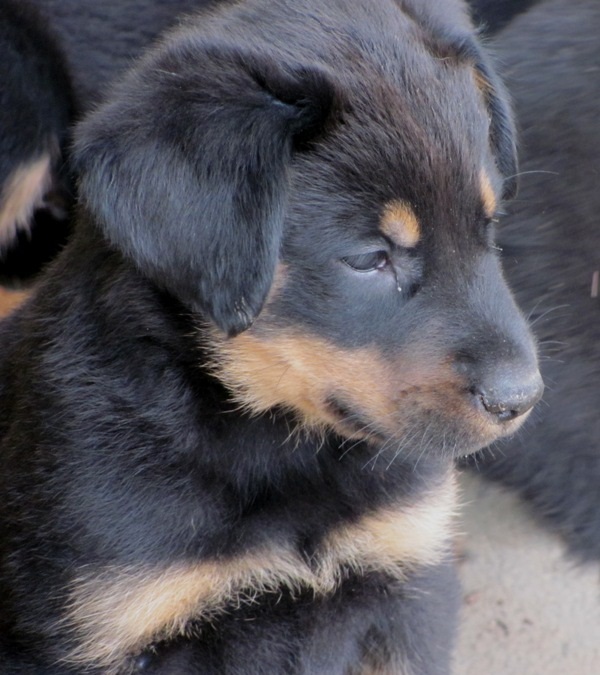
[230, 412]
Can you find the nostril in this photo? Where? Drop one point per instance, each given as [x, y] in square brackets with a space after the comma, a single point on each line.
[508, 400]
[502, 411]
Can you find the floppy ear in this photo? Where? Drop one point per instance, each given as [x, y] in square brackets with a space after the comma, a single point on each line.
[185, 170]
[502, 126]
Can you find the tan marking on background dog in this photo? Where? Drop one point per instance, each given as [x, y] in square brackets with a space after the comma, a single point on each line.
[595, 284]
[10, 300]
[400, 224]
[490, 203]
[22, 193]
[117, 612]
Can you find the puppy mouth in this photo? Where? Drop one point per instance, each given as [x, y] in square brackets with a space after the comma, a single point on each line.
[467, 440]
[352, 423]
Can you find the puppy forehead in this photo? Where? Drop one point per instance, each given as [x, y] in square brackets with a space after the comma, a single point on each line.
[414, 125]
[406, 152]
[397, 66]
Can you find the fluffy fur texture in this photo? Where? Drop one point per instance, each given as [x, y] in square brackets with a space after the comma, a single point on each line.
[232, 407]
[60, 58]
[551, 239]
[35, 109]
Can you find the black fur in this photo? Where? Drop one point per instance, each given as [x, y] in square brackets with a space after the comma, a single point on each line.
[493, 15]
[247, 126]
[60, 59]
[35, 98]
[232, 194]
[36, 108]
[349, 633]
[551, 242]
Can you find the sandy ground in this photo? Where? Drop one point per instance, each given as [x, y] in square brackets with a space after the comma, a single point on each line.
[527, 610]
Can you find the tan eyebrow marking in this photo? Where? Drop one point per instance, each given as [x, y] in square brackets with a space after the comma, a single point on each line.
[490, 203]
[400, 224]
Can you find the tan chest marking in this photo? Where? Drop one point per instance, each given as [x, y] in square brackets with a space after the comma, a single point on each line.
[115, 612]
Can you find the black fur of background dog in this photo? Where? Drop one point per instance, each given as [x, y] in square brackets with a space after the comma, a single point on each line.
[551, 240]
[232, 406]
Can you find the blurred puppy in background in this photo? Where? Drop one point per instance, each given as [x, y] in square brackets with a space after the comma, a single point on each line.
[550, 58]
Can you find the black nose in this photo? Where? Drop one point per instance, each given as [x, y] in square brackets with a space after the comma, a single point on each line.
[507, 393]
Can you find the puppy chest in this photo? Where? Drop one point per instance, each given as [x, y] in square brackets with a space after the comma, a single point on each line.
[118, 611]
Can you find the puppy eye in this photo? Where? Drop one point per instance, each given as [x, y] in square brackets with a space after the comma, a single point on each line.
[368, 262]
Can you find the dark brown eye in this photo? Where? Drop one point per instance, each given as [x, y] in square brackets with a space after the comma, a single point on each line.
[368, 262]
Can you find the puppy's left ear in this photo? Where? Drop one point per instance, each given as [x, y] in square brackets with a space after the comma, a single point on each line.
[185, 170]
[502, 126]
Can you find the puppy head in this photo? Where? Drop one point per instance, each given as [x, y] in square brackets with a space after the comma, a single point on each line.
[318, 183]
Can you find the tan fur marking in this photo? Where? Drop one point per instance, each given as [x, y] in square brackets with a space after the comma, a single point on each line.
[115, 613]
[482, 83]
[301, 372]
[417, 535]
[10, 300]
[490, 204]
[400, 224]
[268, 368]
[119, 612]
[22, 193]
